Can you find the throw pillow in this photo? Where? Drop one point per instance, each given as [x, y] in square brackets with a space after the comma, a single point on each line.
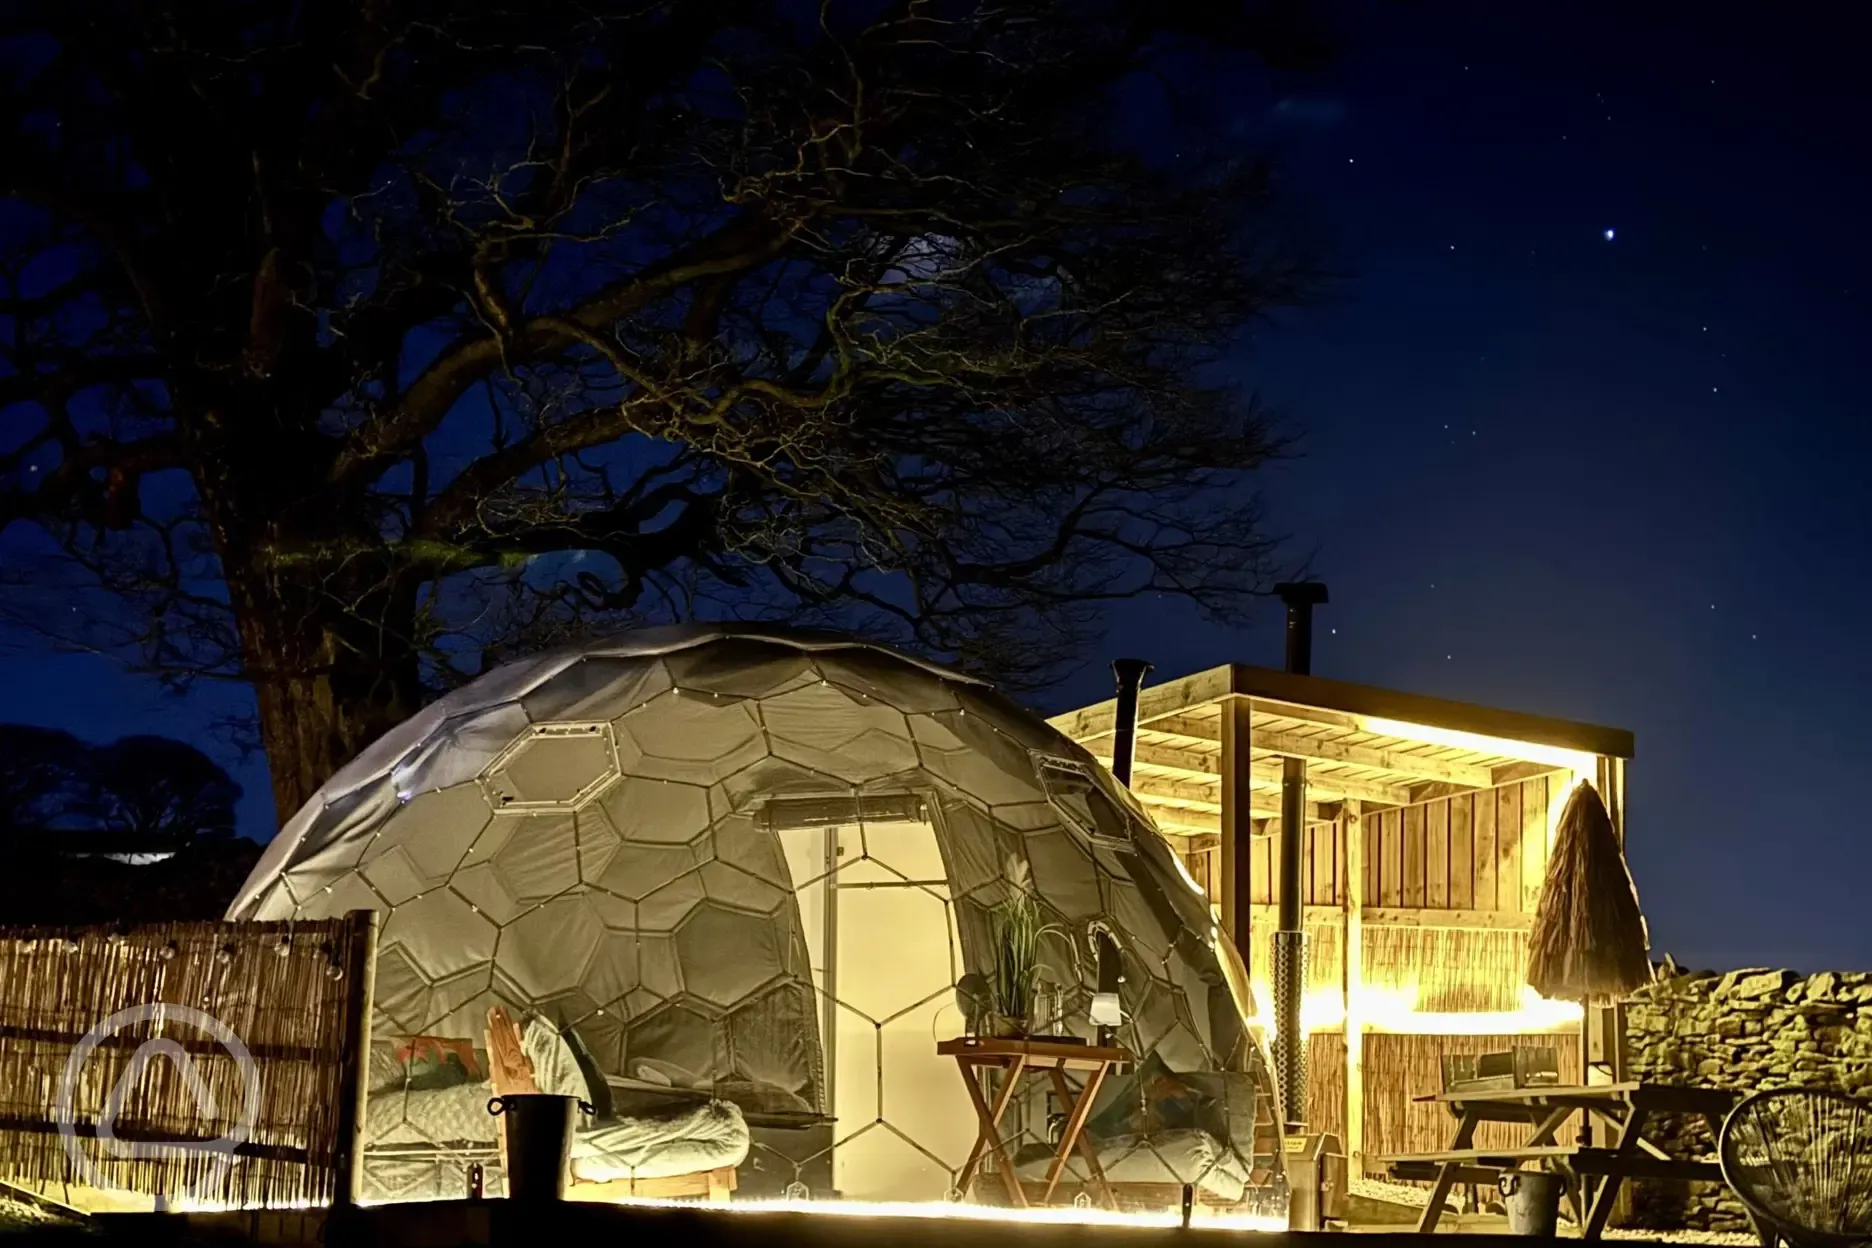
[433, 1062]
[1152, 1098]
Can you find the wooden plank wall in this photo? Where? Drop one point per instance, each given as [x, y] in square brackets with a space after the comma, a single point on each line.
[1481, 850]
[1320, 874]
[1399, 1069]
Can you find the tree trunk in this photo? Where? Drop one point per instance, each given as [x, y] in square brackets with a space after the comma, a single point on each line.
[327, 686]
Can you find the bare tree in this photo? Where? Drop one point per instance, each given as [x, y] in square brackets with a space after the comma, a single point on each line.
[44, 781]
[348, 346]
[162, 790]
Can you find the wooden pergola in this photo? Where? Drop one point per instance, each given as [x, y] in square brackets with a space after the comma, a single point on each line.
[1425, 817]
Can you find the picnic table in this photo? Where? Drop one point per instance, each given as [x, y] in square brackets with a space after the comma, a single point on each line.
[1625, 1108]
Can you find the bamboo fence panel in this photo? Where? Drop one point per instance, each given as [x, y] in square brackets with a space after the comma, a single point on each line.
[1398, 1069]
[1326, 1076]
[279, 988]
[1453, 970]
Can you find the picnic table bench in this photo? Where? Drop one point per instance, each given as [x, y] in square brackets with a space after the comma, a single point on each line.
[1624, 1107]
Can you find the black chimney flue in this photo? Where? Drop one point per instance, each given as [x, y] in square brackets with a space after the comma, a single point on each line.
[1130, 675]
[1289, 952]
[1301, 597]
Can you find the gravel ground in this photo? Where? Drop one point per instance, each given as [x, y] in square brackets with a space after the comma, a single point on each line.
[17, 1215]
[1417, 1198]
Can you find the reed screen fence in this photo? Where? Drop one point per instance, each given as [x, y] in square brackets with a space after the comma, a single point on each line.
[197, 1063]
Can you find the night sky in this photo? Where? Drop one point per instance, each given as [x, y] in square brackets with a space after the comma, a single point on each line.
[1583, 433]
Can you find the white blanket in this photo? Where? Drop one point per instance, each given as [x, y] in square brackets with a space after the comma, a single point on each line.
[1173, 1156]
[683, 1139]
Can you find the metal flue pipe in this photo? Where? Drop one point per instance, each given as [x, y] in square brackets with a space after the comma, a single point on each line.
[1290, 950]
[1130, 675]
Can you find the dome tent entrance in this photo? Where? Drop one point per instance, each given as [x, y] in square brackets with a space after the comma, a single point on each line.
[751, 866]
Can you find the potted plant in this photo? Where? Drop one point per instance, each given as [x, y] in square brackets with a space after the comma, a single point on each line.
[1016, 932]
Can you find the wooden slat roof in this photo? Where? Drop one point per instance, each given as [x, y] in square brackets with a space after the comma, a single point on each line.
[1378, 745]
[1269, 685]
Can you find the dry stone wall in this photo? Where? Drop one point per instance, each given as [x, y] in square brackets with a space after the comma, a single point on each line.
[1747, 1030]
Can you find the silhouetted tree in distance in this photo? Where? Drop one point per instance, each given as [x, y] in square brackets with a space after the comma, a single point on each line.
[66, 807]
[161, 789]
[349, 347]
[45, 781]
[57, 791]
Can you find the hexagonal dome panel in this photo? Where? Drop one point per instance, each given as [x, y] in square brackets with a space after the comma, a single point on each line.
[831, 730]
[598, 843]
[441, 934]
[595, 688]
[637, 871]
[540, 860]
[669, 907]
[548, 950]
[694, 738]
[916, 972]
[613, 972]
[553, 765]
[752, 864]
[433, 831]
[736, 889]
[1063, 873]
[486, 893]
[741, 669]
[728, 954]
[655, 811]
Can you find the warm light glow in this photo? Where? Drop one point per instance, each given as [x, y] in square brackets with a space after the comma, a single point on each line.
[1536, 1015]
[1394, 1009]
[191, 1204]
[1556, 805]
[1576, 761]
[1069, 1216]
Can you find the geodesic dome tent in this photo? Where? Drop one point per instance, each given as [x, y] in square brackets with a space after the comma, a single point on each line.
[753, 865]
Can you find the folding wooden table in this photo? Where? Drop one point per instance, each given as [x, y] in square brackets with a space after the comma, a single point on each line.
[1016, 1059]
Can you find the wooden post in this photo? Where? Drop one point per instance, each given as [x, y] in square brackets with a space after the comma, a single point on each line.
[1236, 767]
[1352, 820]
[360, 972]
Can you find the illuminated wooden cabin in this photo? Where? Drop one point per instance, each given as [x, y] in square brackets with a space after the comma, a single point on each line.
[1429, 825]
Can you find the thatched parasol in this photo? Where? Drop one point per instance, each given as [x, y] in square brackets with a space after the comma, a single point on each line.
[1589, 942]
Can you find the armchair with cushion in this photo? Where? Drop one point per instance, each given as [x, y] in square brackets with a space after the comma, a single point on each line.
[427, 1119]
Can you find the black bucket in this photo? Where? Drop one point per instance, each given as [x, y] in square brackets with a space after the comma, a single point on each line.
[1533, 1200]
[538, 1142]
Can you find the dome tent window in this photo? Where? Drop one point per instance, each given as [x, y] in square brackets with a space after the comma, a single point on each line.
[746, 872]
[1083, 804]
